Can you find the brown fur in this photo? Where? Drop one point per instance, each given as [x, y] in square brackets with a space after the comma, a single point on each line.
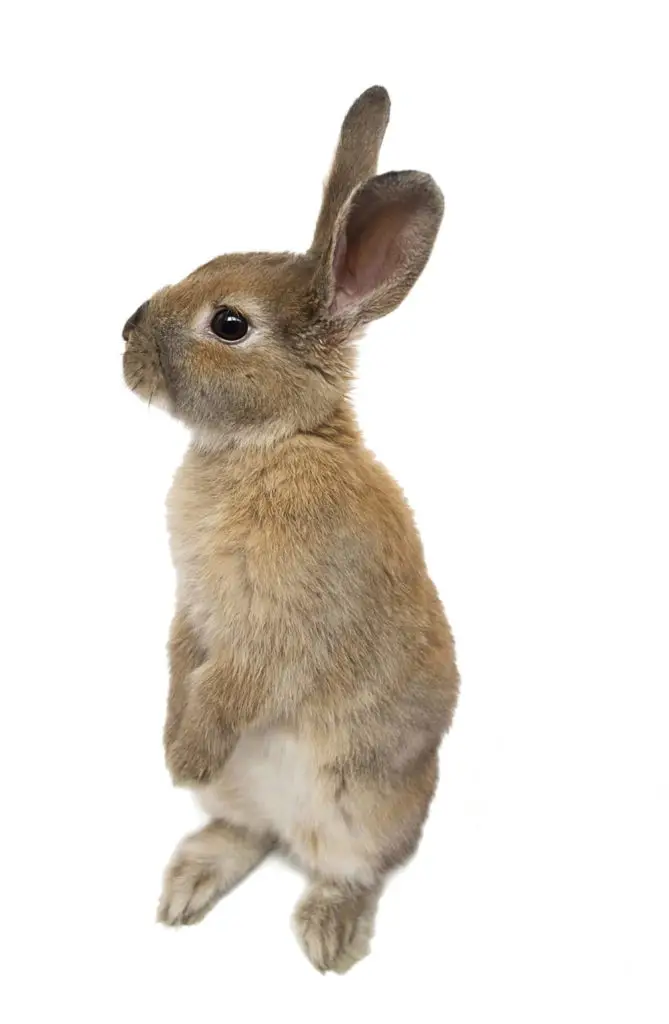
[306, 627]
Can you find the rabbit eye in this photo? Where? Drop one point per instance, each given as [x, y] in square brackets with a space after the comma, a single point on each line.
[229, 326]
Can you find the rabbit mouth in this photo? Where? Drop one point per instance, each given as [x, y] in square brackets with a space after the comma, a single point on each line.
[143, 370]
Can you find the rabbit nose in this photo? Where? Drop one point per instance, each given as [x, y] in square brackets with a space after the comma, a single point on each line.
[134, 320]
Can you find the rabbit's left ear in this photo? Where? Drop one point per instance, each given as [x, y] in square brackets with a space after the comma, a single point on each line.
[380, 244]
[355, 159]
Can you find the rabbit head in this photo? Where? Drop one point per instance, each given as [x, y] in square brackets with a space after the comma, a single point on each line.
[262, 343]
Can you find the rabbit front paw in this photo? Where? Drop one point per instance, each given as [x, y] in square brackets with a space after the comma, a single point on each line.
[188, 763]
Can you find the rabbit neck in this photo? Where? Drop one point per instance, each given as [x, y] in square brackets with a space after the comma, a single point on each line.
[339, 427]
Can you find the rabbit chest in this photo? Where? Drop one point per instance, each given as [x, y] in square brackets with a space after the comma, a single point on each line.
[220, 556]
[254, 565]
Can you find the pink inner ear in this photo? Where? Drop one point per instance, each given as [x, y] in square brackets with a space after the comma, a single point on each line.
[370, 250]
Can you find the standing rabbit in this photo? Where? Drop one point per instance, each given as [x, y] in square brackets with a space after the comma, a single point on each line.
[312, 668]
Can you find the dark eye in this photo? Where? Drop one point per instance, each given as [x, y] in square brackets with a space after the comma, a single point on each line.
[229, 326]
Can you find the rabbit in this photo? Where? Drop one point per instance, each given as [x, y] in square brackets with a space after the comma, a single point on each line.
[312, 669]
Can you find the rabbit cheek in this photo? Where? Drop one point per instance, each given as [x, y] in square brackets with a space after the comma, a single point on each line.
[195, 379]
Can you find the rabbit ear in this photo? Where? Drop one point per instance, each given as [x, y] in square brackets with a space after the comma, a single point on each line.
[355, 159]
[381, 242]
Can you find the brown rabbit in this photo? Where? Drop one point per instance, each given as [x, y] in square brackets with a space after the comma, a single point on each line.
[312, 669]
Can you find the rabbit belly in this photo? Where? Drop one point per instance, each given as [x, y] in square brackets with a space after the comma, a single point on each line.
[271, 783]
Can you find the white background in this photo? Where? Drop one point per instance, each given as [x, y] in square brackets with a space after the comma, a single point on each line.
[520, 396]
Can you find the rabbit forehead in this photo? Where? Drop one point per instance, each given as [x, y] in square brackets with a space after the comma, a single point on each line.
[278, 283]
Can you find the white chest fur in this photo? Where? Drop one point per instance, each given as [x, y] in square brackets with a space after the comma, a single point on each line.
[272, 783]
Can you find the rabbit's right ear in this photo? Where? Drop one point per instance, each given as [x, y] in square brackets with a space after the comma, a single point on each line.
[381, 241]
[355, 159]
